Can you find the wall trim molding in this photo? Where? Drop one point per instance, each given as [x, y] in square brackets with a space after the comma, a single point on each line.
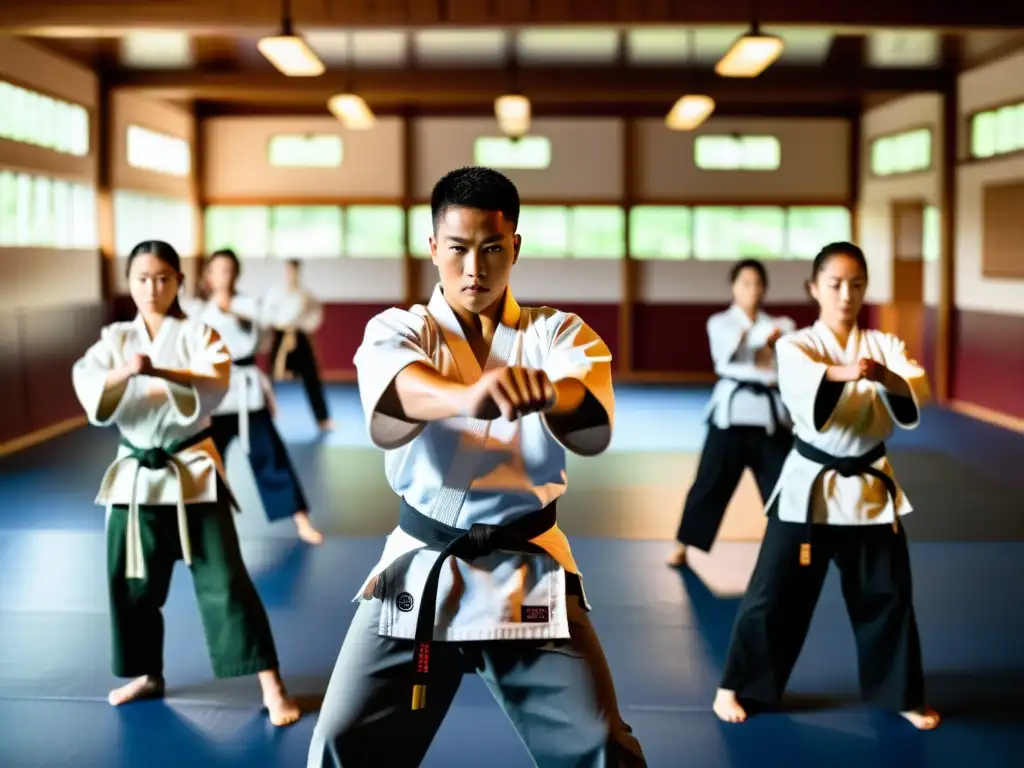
[42, 435]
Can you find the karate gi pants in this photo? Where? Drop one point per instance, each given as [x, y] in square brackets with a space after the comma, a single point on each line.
[726, 453]
[558, 695]
[775, 612]
[302, 362]
[275, 477]
[237, 629]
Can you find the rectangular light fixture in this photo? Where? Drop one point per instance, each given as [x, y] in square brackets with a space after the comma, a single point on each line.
[353, 112]
[689, 112]
[749, 56]
[291, 56]
[513, 114]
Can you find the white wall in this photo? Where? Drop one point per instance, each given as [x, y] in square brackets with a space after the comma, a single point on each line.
[992, 85]
[877, 194]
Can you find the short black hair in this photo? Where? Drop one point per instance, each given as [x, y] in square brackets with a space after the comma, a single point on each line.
[294, 263]
[753, 264]
[475, 187]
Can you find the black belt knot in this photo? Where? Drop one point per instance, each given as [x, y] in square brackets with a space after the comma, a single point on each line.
[479, 540]
[847, 466]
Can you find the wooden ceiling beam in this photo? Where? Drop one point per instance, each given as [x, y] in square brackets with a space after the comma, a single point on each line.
[557, 87]
[841, 110]
[221, 15]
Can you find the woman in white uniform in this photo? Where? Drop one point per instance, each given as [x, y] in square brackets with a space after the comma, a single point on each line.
[837, 500]
[157, 379]
[475, 400]
[748, 425]
[248, 409]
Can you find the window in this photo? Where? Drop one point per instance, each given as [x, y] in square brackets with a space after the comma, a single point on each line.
[902, 153]
[245, 229]
[305, 231]
[32, 118]
[39, 212]
[375, 231]
[809, 229]
[598, 232]
[421, 229]
[998, 131]
[545, 231]
[308, 231]
[737, 153]
[324, 150]
[660, 232]
[139, 217]
[722, 232]
[529, 152]
[158, 152]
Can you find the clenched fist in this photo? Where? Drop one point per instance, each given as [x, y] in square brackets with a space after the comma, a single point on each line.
[509, 392]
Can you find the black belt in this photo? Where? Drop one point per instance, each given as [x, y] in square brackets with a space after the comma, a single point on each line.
[478, 541]
[244, 362]
[847, 466]
[160, 458]
[757, 388]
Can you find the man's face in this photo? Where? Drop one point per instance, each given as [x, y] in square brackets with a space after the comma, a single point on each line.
[474, 251]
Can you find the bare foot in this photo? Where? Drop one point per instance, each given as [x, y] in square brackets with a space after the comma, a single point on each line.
[678, 557]
[327, 425]
[925, 718]
[307, 532]
[145, 687]
[283, 708]
[727, 707]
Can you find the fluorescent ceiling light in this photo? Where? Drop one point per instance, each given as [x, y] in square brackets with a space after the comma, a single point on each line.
[689, 112]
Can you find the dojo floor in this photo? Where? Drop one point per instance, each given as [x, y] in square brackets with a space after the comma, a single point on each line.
[665, 633]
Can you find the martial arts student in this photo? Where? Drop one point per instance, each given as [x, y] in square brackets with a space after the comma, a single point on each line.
[748, 425]
[475, 400]
[295, 315]
[248, 409]
[837, 500]
[157, 379]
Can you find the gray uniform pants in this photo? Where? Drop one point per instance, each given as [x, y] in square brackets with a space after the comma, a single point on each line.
[559, 696]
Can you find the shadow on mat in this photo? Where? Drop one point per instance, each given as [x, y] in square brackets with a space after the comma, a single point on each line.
[245, 692]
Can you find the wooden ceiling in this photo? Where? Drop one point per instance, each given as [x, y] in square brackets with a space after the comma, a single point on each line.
[568, 56]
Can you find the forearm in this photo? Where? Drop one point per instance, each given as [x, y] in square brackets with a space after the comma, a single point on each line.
[421, 393]
[840, 374]
[182, 378]
[117, 377]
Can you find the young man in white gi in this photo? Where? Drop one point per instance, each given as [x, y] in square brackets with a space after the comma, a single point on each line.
[475, 399]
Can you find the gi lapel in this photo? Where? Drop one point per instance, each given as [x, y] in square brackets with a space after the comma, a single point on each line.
[460, 474]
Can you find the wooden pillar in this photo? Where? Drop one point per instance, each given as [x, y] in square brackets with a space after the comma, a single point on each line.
[946, 334]
[856, 159]
[410, 264]
[629, 267]
[197, 187]
[102, 140]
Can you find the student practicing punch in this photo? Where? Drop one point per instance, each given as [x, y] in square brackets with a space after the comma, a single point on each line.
[837, 500]
[475, 400]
